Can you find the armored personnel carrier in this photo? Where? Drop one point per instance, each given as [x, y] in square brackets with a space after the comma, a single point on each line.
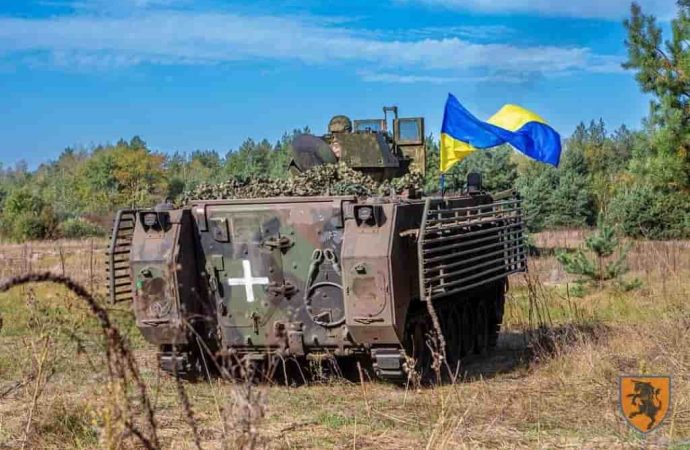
[352, 276]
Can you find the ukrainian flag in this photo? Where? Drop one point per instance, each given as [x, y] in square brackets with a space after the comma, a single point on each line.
[462, 134]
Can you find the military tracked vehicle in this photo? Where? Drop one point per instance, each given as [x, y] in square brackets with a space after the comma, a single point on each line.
[355, 277]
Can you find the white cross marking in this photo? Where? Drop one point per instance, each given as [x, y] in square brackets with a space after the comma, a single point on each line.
[247, 280]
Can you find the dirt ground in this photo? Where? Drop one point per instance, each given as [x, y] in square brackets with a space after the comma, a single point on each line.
[560, 392]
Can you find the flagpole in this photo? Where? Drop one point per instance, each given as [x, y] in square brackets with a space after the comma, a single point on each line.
[443, 184]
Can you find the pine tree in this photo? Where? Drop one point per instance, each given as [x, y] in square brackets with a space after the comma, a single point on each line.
[596, 261]
[655, 200]
[662, 67]
[536, 185]
[663, 70]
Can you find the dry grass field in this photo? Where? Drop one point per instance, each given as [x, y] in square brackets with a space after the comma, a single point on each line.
[554, 392]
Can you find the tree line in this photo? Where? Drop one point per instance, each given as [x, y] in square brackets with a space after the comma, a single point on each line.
[76, 194]
[638, 181]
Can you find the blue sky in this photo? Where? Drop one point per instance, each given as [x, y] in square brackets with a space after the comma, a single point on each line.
[207, 74]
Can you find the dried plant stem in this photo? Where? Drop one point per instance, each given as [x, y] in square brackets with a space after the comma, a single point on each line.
[119, 356]
[354, 436]
[40, 366]
[184, 401]
[364, 390]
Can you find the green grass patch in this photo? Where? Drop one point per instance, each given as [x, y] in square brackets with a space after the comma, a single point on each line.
[334, 420]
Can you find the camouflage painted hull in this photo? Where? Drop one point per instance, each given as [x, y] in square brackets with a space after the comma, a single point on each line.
[299, 276]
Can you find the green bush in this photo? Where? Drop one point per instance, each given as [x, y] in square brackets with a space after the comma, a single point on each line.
[28, 227]
[25, 216]
[76, 228]
[648, 212]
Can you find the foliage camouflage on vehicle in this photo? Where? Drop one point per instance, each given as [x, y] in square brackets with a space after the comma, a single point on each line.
[329, 179]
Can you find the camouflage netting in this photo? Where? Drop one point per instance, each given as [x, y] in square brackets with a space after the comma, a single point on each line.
[328, 179]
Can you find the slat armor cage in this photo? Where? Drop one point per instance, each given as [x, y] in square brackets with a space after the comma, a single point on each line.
[463, 247]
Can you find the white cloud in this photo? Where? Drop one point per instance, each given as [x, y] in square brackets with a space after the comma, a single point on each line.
[596, 9]
[186, 37]
[387, 77]
[483, 33]
[402, 78]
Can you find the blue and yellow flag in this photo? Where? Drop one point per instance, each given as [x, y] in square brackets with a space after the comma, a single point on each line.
[462, 134]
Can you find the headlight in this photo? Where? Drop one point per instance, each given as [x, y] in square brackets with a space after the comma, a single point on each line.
[365, 213]
[369, 215]
[150, 219]
[155, 220]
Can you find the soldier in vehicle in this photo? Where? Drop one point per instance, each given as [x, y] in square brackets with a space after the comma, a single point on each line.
[310, 151]
[337, 125]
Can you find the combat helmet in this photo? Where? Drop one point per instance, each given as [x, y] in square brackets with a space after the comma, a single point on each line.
[340, 124]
